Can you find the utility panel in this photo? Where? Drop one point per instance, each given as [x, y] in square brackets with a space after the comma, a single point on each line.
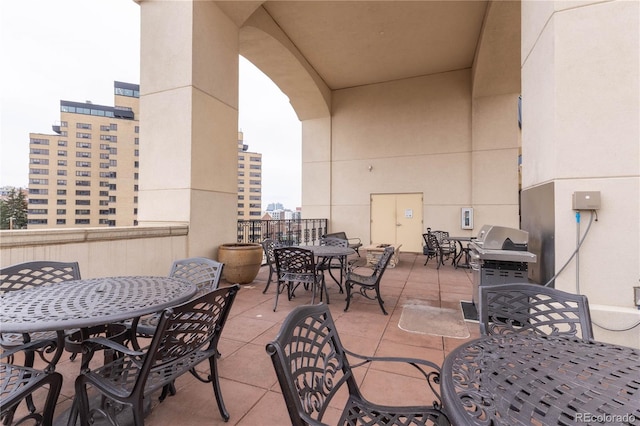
[586, 200]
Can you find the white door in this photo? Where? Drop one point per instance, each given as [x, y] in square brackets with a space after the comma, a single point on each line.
[397, 219]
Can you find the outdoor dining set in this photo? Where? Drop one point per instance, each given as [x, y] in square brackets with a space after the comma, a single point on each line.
[536, 362]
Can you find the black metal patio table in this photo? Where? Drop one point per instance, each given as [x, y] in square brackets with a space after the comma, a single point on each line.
[326, 253]
[521, 379]
[82, 304]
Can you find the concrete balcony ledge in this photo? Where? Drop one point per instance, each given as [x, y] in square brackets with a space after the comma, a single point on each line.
[42, 237]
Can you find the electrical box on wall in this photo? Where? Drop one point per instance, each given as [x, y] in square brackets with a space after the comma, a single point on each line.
[586, 200]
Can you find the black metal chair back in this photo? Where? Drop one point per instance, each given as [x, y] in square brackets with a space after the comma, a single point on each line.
[33, 274]
[312, 369]
[297, 266]
[369, 285]
[203, 272]
[533, 308]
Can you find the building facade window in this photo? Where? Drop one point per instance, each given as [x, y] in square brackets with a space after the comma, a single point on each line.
[39, 181]
[81, 135]
[61, 182]
[39, 141]
[86, 145]
[39, 151]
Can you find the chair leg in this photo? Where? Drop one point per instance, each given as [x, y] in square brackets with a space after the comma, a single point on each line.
[268, 281]
[138, 412]
[347, 287]
[278, 284]
[80, 405]
[380, 301]
[323, 286]
[55, 385]
[215, 382]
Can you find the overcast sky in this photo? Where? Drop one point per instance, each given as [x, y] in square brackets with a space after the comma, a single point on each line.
[74, 50]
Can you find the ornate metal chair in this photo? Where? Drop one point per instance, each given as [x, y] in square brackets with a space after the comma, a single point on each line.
[18, 383]
[203, 272]
[448, 248]
[432, 249]
[533, 308]
[27, 275]
[354, 243]
[312, 368]
[297, 266]
[185, 336]
[268, 245]
[369, 283]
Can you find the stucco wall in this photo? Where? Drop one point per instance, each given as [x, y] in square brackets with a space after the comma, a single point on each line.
[581, 127]
[424, 135]
[100, 252]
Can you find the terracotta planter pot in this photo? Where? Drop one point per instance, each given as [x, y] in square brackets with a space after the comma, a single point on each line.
[241, 261]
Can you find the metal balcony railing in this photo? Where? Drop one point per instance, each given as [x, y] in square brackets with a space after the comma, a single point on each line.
[287, 231]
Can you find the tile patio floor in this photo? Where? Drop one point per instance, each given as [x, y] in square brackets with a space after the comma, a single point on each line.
[250, 389]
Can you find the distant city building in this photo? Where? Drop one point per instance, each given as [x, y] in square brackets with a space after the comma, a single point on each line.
[249, 182]
[274, 206]
[86, 174]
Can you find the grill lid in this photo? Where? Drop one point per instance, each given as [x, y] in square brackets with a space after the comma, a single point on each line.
[493, 237]
[503, 244]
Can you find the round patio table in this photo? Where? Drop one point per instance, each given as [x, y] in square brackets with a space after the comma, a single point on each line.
[519, 379]
[82, 304]
[326, 253]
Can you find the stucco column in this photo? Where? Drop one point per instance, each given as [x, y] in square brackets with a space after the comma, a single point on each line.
[581, 109]
[316, 168]
[189, 120]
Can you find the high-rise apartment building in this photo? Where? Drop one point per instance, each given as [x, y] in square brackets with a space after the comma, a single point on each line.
[86, 174]
[249, 182]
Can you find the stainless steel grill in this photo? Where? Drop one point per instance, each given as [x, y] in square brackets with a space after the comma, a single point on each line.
[498, 256]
